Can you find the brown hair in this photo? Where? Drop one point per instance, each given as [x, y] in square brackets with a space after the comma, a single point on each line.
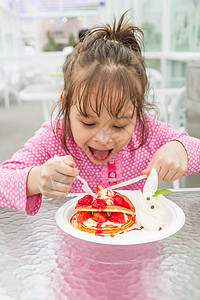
[109, 63]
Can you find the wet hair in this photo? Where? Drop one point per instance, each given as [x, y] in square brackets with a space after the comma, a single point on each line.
[108, 64]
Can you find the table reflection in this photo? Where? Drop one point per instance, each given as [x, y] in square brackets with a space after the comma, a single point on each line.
[107, 271]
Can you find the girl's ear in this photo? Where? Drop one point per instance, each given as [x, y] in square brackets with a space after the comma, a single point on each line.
[61, 97]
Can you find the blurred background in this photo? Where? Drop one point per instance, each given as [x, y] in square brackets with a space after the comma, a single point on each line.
[37, 35]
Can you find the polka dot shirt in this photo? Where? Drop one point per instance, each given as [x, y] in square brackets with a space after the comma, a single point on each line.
[126, 164]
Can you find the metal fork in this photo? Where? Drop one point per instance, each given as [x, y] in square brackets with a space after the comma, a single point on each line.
[85, 185]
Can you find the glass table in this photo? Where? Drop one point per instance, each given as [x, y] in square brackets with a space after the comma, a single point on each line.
[40, 261]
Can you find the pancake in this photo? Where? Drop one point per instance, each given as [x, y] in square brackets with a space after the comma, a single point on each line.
[109, 213]
[102, 229]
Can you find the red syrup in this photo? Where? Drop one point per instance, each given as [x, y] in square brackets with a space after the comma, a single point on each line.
[99, 230]
[134, 218]
[133, 229]
[129, 230]
[72, 218]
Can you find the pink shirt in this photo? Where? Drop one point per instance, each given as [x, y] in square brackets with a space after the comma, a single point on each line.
[125, 165]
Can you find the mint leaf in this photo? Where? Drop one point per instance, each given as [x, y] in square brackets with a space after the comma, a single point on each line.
[162, 191]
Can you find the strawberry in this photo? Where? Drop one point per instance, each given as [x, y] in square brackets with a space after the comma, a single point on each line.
[86, 200]
[83, 216]
[143, 186]
[100, 217]
[99, 203]
[99, 187]
[119, 200]
[117, 217]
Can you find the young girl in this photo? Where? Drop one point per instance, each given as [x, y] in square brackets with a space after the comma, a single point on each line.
[103, 132]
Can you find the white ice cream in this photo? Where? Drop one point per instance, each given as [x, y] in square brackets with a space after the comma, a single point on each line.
[150, 211]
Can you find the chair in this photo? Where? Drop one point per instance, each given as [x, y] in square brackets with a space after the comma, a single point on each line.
[171, 103]
[177, 110]
[154, 76]
[45, 93]
[10, 82]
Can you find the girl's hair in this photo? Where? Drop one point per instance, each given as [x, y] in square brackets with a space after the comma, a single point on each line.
[108, 65]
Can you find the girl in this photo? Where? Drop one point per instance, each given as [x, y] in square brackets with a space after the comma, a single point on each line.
[103, 132]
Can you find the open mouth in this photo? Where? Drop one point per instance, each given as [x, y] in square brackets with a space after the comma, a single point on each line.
[100, 155]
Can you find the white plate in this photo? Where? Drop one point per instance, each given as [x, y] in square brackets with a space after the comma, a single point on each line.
[175, 219]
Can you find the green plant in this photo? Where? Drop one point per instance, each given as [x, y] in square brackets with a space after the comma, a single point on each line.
[51, 45]
[71, 40]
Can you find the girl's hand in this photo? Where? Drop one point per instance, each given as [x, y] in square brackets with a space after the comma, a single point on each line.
[170, 162]
[53, 179]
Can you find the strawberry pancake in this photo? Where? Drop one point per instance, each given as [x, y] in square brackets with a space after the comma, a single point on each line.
[108, 213]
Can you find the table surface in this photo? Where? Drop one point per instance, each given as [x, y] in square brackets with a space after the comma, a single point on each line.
[40, 261]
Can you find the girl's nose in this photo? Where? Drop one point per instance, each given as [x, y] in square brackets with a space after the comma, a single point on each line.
[103, 136]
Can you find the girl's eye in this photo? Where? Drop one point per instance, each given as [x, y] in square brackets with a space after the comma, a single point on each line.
[119, 127]
[88, 124]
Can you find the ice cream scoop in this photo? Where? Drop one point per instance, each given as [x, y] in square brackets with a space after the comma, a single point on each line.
[150, 210]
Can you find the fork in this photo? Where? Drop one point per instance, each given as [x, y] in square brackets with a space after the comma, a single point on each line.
[85, 185]
[133, 180]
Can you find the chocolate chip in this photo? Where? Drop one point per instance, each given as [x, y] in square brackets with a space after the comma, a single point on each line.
[148, 198]
[160, 228]
[112, 235]
[141, 227]
[152, 206]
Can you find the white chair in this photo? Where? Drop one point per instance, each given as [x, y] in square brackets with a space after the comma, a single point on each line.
[11, 82]
[177, 118]
[154, 76]
[3, 89]
[47, 94]
[177, 110]
[171, 103]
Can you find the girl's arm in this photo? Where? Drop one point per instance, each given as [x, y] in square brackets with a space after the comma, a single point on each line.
[170, 161]
[174, 153]
[52, 179]
[20, 183]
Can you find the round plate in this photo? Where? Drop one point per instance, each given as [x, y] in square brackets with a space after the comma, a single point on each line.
[175, 219]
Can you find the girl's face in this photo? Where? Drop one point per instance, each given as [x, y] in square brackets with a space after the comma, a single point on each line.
[101, 137]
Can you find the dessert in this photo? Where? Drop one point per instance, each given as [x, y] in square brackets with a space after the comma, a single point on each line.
[109, 213]
[151, 205]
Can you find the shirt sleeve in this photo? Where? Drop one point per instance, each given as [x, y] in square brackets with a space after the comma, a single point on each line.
[14, 172]
[162, 133]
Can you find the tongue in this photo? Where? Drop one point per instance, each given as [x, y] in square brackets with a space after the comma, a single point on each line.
[100, 154]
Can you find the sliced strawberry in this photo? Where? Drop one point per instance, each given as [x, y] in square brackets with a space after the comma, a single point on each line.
[100, 217]
[117, 217]
[86, 200]
[99, 187]
[143, 186]
[119, 200]
[99, 203]
[83, 216]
